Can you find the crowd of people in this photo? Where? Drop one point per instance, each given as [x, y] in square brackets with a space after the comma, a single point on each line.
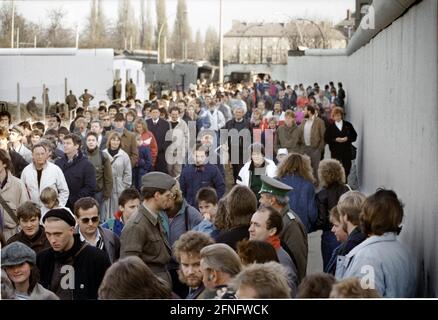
[208, 193]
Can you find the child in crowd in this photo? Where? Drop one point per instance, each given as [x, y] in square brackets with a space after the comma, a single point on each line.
[49, 199]
[129, 201]
[144, 162]
[206, 199]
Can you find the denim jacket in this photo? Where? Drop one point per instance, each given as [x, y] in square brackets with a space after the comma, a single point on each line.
[382, 261]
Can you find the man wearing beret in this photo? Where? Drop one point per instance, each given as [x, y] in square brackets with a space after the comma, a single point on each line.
[294, 235]
[15, 137]
[72, 269]
[143, 235]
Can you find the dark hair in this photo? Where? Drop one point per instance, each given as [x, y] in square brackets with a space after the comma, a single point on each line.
[39, 145]
[257, 147]
[40, 126]
[6, 113]
[80, 110]
[255, 251]
[381, 212]
[206, 194]
[113, 106]
[51, 132]
[316, 285]
[222, 220]
[77, 141]
[310, 109]
[174, 109]
[28, 210]
[128, 194]
[131, 278]
[102, 108]
[154, 106]
[275, 219]
[119, 117]
[85, 204]
[91, 133]
[241, 205]
[201, 147]
[54, 115]
[25, 125]
[5, 158]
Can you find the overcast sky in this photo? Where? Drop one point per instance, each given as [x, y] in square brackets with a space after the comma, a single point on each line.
[201, 13]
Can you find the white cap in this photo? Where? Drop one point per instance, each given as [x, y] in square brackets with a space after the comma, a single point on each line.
[282, 151]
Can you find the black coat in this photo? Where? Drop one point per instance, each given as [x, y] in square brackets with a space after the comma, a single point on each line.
[89, 266]
[233, 236]
[18, 163]
[80, 175]
[340, 151]
[326, 199]
[159, 130]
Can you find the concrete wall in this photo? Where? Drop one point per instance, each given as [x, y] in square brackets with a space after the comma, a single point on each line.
[391, 85]
[84, 69]
[277, 71]
[131, 69]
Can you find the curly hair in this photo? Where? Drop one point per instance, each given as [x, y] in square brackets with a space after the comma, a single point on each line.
[351, 288]
[254, 251]
[222, 219]
[316, 285]
[296, 163]
[269, 280]
[331, 171]
[191, 242]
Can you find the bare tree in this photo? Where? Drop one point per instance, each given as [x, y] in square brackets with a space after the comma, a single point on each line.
[212, 45]
[56, 34]
[161, 32]
[95, 32]
[126, 29]
[28, 30]
[181, 37]
[197, 52]
[148, 32]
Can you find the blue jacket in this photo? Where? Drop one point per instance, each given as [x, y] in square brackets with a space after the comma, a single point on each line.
[80, 176]
[302, 199]
[192, 179]
[143, 166]
[382, 261]
[354, 238]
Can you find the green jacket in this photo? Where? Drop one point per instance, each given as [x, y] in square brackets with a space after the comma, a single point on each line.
[104, 174]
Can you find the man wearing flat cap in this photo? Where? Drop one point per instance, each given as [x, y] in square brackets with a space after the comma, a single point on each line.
[70, 268]
[294, 235]
[143, 235]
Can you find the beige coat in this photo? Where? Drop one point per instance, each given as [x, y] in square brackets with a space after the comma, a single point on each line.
[143, 236]
[14, 193]
[316, 134]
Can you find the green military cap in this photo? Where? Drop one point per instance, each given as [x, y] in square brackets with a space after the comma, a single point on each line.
[274, 186]
[158, 180]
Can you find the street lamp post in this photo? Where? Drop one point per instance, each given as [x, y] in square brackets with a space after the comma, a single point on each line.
[221, 46]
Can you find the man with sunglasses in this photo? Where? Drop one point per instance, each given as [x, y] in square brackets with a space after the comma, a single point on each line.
[87, 217]
[143, 234]
[70, 268]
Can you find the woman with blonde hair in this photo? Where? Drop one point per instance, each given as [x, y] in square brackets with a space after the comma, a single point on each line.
[147, 137]
[331, 176]
[296, 171]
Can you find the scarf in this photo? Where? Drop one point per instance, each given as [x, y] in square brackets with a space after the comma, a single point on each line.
[113, 152]
[274, 241]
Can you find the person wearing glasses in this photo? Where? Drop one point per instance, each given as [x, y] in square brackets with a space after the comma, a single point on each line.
[87, 217]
